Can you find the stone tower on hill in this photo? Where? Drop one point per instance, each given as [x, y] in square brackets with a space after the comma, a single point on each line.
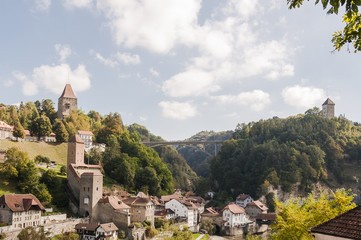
[85, 182]
[67, 102]
[328, 109]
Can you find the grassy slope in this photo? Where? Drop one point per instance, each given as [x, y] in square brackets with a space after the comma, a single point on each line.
[56, 152]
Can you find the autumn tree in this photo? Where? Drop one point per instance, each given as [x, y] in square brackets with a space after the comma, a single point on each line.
[298, 215]
[351, 34]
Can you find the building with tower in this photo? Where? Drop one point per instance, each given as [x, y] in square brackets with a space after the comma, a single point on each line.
[328, 109]
[67, 102]
[85, 182]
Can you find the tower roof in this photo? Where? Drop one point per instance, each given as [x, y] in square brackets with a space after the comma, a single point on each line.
[76, 138]
[328, 102]
[68, 92]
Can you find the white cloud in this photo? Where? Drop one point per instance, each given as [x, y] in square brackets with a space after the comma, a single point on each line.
[54, 78]
[42, 5]
[8, 83]
[63, 51]
[70, 4]
[128, 58]
[190, 83]
[177, 110]
[305, 97]
[257, 100]
[157, 25]
[243, 8]
[29, 88]
[106, 61]
[154, 72]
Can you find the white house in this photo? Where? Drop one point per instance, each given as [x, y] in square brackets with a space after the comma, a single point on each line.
[95, 231]
[184, 210]
[107, 231]
[234, 216]
[87, 138]
[243, 199]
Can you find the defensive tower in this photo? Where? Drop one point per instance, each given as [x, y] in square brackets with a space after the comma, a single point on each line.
[67, 102]
[328, 109]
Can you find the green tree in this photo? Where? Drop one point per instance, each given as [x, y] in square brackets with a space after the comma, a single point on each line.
[61, 134]
[207, 224]
[41, 126]
[18, 130]
[297, 216]
[63, 170]
[47, 108]
[29, 233]
[352, 18]
[66, 236]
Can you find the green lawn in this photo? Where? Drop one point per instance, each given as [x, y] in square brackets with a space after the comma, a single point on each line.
[55, 151]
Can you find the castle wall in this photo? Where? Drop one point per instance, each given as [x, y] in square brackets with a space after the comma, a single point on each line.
[73, 183]
[104, 213]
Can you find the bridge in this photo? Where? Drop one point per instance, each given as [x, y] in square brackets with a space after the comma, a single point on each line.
[157, 144]
[173, 143]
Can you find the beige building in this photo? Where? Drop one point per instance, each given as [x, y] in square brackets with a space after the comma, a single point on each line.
[112, 209]
[140, 209]
[255, 208]
[85, 181]
[87, 138]
[6, 131]
[20, 210]
[67, 102]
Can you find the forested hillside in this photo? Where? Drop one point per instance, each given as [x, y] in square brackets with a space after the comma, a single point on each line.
[184, 177]
[199, 156]
[296, 151]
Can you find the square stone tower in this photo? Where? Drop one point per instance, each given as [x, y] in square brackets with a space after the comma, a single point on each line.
[67, 102]
[328, 109]
[75, 151]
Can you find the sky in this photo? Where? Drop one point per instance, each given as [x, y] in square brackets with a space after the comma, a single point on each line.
[178, 67]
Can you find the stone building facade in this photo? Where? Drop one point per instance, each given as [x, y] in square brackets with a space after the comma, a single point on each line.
[67, 102]
[328, 108]
[84, 181]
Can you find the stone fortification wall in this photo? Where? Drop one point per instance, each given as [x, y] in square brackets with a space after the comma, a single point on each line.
[104, 213]
[52, 228]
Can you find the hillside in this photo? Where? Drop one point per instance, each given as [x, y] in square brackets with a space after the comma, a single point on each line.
[183, 175]
[199, 157]
[56, 152]
[298, 151]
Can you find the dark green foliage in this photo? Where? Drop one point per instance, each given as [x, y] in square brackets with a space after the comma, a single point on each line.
[21, 170]
[135, 166]
[66, 236]
[63, 170]
[183, 176]
[41, 159]
[57, 188]
[61, 134]
[48, 109]
[18, 130]
[160, 222]
[271, 202]
[302, 149]
[41, 126]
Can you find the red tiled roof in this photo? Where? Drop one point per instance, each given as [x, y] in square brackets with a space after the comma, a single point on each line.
[115, 202]
[4, 125]
[346, 225]
[109, 227]
[243, 196]
[81, 132]
[258, 204]
[234, 208]
[266, 216]
[86, 226]
[21, 202]
[211, 210]
[68, 92]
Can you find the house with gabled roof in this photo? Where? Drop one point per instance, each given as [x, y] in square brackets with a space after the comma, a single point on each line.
[141, 208]
[235, 220]
[255, 208]
[184, 210]
[243, 199]
[20, 210]
[94, 231]
[342, 227]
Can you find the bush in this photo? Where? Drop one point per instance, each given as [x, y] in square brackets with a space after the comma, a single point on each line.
[147, 223]
[149, 232]
[63, 170]
[41, 159]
